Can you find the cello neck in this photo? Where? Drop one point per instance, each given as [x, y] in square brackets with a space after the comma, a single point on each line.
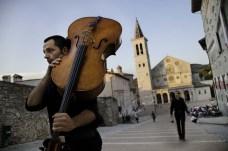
[73, 77]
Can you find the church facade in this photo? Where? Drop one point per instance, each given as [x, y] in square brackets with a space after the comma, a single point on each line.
[158, 85]
[171, 75]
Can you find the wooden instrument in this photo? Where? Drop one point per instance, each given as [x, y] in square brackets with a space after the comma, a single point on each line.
[93, 39]
[83, 69]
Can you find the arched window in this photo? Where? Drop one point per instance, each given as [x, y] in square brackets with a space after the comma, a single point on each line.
[137, 50]
[186, 95]
[165, 97]
[159, 99]
[141, 48]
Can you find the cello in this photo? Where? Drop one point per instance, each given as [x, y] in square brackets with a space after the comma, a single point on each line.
[82, 70]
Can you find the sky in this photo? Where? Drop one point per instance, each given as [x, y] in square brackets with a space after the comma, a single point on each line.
[169, 26]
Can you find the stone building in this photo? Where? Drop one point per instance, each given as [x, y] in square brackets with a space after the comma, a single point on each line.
[142, 66]
[214, 15]
[12, 78]
[120, 87]
[157, 85]
[168, 76]
[173, 74]
[6, 78]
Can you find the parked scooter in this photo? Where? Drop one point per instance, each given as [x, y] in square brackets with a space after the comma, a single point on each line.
[204, 111]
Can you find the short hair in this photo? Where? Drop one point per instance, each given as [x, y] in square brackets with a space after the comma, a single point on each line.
[60, 41]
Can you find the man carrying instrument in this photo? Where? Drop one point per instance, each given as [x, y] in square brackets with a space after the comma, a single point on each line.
[81, 119]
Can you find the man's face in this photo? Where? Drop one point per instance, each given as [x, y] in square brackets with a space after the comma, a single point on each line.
[51, 51]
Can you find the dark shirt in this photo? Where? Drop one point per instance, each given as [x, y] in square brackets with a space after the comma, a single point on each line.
[178, 106]
[52, 100]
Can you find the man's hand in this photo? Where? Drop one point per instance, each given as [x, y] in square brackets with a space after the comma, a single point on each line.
[171, 118]
[62, 122]
[55, 62]
[188, 113]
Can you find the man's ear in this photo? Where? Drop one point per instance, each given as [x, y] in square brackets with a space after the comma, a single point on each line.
[65, 50]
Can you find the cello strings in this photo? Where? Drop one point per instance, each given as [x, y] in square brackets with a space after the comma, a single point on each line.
[73, 77]
[70, 82]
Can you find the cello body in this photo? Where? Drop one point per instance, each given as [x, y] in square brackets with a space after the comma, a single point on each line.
[99, 38]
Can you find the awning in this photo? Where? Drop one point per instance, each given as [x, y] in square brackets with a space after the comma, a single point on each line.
[196, 5]
[202, 43]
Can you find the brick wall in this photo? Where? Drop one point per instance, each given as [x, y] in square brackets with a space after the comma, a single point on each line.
[25, 126]
[108, 109]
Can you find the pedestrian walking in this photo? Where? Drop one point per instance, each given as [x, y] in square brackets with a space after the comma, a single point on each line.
[153, 116]
[179, 107]
[136, 116]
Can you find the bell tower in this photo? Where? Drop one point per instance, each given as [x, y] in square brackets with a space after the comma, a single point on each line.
[142, 66]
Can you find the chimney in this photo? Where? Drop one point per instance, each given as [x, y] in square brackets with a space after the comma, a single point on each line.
[17, 78]
[6, 78]
[119, 69]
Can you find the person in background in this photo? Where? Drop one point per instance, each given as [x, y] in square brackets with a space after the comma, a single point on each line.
[136, 116]
[179, 107]
[153, 116]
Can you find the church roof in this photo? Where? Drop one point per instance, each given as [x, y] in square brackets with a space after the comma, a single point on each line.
[138, 31]
[197, 67]
[117, 74]
[199, 85]
[171, 57]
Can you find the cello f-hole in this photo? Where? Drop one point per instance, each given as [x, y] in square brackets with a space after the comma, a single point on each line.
[102, 40]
